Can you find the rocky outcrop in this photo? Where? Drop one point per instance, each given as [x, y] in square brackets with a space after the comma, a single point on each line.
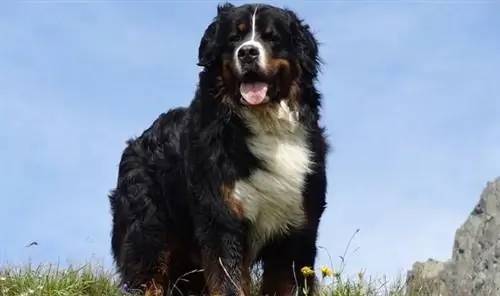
[474, 269]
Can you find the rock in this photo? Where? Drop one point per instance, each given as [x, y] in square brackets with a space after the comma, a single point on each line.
[474, 268]
[425, 278]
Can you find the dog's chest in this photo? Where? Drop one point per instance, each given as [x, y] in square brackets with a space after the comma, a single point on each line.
[272, 197]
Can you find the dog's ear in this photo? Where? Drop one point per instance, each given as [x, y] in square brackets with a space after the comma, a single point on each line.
[305, 44]
[223, 8]
[208, 48]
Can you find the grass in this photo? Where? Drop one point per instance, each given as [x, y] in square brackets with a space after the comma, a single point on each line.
[89, 280]
[54, 281]
[93, 280]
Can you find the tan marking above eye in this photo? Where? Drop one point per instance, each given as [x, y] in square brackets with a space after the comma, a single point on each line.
[242, 27]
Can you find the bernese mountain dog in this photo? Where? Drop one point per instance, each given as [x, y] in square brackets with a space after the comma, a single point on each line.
[237, 177]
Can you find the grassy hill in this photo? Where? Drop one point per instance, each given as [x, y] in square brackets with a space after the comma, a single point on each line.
[92, 280]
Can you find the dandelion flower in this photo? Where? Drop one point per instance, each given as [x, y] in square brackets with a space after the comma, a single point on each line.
[307, 271]
[326, 271]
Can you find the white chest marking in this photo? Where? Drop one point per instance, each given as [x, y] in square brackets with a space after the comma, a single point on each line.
[272, 198]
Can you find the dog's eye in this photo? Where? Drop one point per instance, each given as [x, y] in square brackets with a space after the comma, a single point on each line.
[271, 37]
[234, 38]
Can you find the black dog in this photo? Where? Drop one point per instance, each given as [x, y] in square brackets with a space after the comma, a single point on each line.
[236, 178]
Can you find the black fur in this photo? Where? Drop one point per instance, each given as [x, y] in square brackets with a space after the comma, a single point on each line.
[169, 215]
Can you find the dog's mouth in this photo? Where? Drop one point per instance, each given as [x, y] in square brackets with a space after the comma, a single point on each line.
[254, 90]
[254, 93]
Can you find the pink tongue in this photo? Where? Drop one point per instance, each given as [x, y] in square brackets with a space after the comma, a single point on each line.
[254, 93]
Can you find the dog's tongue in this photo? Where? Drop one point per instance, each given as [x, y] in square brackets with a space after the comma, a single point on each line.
[254, 93]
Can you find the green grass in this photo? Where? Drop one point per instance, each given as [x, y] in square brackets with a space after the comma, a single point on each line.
[93, 280]
[90, 280]
[52, 280]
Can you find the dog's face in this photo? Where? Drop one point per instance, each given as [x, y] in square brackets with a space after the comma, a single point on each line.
[261, 53]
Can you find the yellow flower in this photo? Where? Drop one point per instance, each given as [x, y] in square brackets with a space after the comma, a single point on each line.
[326, 271]
[307, 271]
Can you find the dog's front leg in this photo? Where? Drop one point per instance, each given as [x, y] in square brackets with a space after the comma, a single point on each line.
[221, 236]
[223, 265]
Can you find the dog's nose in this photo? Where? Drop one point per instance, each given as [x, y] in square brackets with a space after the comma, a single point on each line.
[248, 53]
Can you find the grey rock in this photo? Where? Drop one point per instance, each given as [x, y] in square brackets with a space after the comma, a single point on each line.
[474, 267]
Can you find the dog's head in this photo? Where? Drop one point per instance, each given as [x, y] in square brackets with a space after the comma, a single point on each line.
[260, 54]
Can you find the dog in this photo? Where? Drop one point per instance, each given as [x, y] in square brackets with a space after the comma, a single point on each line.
[235, 178]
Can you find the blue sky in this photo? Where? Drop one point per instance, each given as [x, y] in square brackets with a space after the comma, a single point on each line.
[411, 100]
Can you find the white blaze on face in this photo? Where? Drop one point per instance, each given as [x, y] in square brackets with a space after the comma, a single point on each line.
[252, 41]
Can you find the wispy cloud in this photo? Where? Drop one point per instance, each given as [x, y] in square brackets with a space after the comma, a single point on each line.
[410, 93]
